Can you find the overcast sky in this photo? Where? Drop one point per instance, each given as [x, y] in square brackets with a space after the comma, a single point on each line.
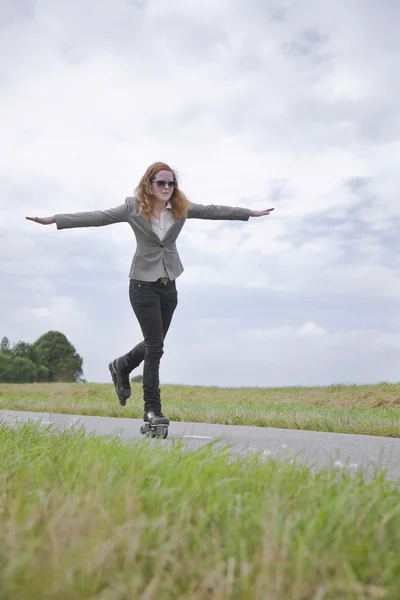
[257, 103]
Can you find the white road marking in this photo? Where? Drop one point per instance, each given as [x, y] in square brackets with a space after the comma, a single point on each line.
[199, 437]
[41, 422]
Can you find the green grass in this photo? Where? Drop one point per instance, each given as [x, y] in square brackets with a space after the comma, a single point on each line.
[364, 409]
[85, 517]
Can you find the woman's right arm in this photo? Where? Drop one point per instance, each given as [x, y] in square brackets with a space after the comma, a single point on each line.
[96, 218]
[42, 220]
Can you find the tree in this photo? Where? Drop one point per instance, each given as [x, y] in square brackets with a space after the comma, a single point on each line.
[5, 345]
[59, 356]
[24, 350]
[137, 379]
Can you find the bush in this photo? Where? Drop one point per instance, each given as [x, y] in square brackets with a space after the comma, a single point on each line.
[17, 370]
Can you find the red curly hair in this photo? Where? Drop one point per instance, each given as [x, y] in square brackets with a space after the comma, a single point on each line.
[179, 202]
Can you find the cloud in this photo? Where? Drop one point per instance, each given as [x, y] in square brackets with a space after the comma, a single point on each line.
[283, 333]
[289, 356]
[265, 104]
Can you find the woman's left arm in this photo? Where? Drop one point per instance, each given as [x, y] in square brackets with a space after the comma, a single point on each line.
[226, 213]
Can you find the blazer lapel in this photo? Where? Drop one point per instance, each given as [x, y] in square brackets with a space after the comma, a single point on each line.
[148, 228]
[172, 230]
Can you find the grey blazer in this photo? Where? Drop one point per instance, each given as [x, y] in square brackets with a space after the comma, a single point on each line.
[150, 250]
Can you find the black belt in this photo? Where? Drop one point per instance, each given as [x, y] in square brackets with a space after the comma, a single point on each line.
[164, 280]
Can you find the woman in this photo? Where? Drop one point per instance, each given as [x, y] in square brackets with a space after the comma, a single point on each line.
[156, 213]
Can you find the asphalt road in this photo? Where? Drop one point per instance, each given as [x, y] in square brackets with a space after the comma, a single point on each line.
[314, 447]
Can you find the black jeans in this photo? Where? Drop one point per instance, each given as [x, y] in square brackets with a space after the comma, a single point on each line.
[154, 304]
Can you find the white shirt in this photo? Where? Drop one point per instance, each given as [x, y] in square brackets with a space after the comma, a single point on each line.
[166, 220]
[160, 228]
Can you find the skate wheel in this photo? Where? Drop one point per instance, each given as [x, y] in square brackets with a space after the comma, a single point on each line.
[159, 432]
[145, 429]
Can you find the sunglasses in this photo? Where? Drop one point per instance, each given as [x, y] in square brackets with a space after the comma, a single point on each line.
[161, 183]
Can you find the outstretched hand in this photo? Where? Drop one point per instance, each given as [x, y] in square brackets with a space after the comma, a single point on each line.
[42, 220]
[261, 213]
